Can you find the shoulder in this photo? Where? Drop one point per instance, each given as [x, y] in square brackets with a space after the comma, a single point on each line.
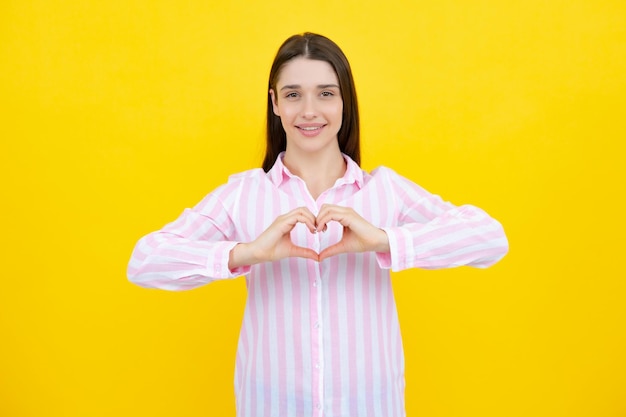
[396, 181]
[385, 173]
[237, 185]
[255, 174]
[243, 181]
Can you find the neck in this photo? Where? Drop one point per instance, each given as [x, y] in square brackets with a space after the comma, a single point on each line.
[318, 171]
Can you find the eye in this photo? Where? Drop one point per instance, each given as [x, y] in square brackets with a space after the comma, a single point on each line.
[327, 94]
[292, 94]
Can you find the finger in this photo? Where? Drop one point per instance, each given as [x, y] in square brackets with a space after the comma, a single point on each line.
[324, 216]
[299, 215]
[342, 215]
[306, 216]
[298, 218]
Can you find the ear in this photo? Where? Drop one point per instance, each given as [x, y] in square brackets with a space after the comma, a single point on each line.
[274, 103]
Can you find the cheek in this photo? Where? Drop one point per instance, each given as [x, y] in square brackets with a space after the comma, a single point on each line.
[288, 111]
[287, 117]
[337, 110]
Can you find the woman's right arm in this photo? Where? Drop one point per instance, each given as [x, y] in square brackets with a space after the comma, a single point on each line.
[201, 246]
[192, 251]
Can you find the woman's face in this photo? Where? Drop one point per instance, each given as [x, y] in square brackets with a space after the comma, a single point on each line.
[308, 101]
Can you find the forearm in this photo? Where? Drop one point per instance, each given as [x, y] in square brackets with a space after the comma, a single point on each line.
[381, 242]
[242, 255]
[464, 236]
[160, 260]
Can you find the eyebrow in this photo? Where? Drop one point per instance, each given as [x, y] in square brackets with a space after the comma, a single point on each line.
[296, 86]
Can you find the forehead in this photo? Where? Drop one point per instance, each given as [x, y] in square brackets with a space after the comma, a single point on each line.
[304, 71]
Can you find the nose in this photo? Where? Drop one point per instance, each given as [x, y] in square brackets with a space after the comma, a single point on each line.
[308, 108]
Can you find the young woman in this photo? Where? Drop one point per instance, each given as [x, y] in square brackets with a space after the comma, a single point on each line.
[315, 237]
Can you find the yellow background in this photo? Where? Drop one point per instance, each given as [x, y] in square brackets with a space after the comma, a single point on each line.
[116, 115]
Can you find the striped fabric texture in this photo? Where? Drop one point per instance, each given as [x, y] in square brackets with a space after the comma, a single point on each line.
[318, 338]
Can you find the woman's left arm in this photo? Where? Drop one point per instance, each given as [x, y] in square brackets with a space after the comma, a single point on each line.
[434, 234]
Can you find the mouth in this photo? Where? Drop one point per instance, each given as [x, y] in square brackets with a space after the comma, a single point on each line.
[310, 130]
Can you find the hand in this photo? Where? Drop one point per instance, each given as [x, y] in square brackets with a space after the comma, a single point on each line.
[359, 235]
[275, 242]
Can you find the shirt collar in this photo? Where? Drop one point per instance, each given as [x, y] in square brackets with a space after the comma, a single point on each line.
[353, 175]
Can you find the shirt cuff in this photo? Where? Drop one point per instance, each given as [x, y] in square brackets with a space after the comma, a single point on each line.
[217, 261]
[400, 249]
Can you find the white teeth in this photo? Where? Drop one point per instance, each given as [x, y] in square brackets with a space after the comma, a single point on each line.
[310, 128]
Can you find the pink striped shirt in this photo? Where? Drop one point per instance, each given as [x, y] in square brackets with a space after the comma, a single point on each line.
[317, 339]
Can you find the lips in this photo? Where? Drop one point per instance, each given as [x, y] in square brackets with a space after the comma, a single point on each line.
[310, 130]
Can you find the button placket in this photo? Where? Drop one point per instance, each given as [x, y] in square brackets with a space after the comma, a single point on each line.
[317, 355]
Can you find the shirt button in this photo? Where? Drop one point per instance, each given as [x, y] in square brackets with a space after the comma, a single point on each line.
[317, 324]
[319, 406]
[317, 366]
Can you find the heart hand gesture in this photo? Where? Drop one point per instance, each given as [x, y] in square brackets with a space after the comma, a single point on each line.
[275, 242]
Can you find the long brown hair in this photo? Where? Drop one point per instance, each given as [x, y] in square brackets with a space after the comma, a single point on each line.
[318, 47]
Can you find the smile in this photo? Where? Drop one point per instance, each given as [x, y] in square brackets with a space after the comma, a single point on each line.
[310, 131]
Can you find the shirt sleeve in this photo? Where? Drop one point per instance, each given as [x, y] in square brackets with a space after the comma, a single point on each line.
[190, 252]
[433, 234]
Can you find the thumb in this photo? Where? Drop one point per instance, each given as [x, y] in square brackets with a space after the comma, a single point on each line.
[332, 250]
[300, 252]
